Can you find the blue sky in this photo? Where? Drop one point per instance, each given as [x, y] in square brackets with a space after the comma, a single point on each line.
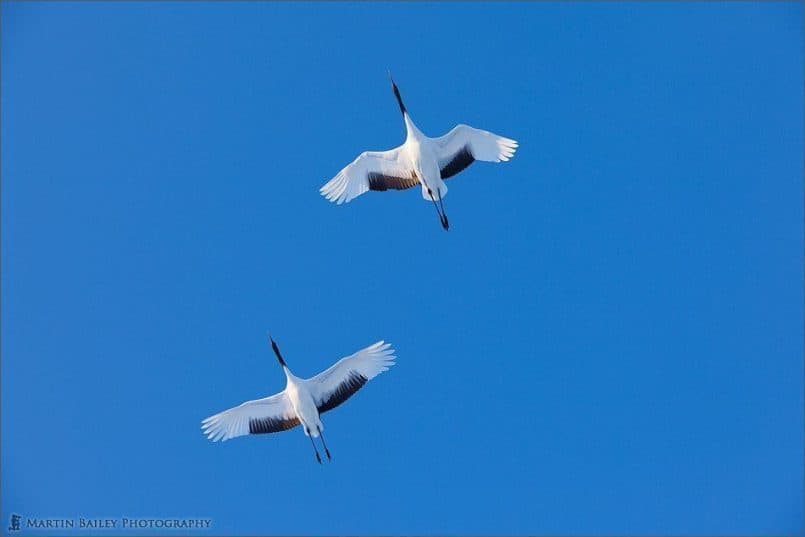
[608, 340]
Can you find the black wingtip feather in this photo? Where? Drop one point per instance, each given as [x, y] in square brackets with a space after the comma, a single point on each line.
[344, 391]
[271, 425]
[458, 163]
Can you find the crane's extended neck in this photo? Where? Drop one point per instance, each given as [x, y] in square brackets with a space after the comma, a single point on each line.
[410, 128]
[277, 352]
[397, 94]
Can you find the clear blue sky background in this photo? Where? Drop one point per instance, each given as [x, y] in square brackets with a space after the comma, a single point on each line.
[608, 339]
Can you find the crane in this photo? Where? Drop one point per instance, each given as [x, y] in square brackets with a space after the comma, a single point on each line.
[303, 401]
[420, 160]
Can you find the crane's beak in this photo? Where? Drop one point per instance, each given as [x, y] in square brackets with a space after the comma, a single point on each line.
[277, 351]
[393, 85]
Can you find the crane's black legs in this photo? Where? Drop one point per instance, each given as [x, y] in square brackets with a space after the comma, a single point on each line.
[312, 443]
[327, 451]
[430, 192]
[445, 223]
[442, 217]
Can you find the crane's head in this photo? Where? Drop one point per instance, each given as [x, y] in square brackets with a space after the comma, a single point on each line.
[277, 351]
[397, 94]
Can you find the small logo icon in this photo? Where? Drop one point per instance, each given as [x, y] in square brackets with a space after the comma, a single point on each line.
[14, 522]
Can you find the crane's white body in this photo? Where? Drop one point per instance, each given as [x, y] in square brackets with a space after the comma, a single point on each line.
[420, 160]
[421, 154]
[303, 400]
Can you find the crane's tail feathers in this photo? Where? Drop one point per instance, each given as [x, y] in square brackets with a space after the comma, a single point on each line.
[442, 189]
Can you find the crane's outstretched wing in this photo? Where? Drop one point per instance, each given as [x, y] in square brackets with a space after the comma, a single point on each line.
[267, 415]
[372, 170]
[332, 387]
[464, 145]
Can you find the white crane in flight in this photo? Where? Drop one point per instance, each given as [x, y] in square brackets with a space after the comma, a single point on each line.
[419, 161]
[303, 400]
